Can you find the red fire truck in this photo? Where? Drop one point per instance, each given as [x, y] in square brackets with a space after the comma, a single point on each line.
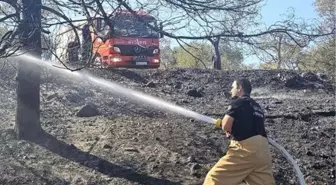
[124, 40]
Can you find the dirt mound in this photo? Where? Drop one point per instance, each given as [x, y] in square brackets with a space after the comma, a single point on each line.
[132, 143]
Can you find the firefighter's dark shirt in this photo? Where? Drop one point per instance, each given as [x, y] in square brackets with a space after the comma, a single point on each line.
[248, 118]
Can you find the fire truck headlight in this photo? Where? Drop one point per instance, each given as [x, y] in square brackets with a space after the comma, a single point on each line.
[156, 60]
[116, 59]
[116, 49]
[155, 51]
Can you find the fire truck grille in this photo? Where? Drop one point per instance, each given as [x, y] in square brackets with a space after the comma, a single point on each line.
[135, 50]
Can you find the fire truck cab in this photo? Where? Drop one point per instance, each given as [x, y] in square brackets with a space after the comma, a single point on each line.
[124, 40]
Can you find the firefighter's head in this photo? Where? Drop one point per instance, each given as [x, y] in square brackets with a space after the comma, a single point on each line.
[241, 87]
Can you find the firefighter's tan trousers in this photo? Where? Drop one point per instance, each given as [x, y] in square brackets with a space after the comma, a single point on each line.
[248, 160]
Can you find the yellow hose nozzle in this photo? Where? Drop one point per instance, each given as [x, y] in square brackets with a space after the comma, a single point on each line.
[218, 123]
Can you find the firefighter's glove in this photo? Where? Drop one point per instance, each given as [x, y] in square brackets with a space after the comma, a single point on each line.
[218, 123]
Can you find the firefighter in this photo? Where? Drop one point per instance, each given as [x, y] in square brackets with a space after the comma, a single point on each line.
[86, 46]
[248, 157]
[72, 51]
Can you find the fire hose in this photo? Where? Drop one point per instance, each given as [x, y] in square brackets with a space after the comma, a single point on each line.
[290, 159]
[283, 151]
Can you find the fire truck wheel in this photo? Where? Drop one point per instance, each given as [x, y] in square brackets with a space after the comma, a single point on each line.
[101, 64]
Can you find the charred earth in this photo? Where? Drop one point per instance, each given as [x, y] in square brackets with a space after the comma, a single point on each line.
[93, 136]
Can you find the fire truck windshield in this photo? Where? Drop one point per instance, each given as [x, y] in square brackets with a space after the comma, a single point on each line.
[129, 26]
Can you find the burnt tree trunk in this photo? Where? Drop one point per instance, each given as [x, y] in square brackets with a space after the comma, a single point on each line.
[27, 124]
[216, 54]
[279, 47]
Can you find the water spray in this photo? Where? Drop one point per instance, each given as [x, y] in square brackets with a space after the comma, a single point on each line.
[137, 96]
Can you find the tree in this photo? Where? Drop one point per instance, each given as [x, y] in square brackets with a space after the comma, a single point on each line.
[321, 58]
[166, 53]
[277, 51]
[24, 37]
[199, 54]
[216, 56]
[231, 57]
[322, 55]
[28, 88]
[326, 10]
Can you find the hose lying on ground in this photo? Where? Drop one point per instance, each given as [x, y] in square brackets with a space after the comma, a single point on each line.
[290, 159]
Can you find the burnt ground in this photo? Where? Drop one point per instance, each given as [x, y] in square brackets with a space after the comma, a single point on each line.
[131, 143]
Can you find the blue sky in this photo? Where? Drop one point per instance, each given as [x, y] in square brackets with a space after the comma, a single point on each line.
[274, 8]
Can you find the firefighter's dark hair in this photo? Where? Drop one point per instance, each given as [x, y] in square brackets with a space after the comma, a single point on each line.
[245, 84]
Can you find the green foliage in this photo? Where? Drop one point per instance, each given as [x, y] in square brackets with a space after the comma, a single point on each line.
[320, 58]
[199, 55]
[193, 55]
[231, 57]
[268, 65]
[326, 10]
